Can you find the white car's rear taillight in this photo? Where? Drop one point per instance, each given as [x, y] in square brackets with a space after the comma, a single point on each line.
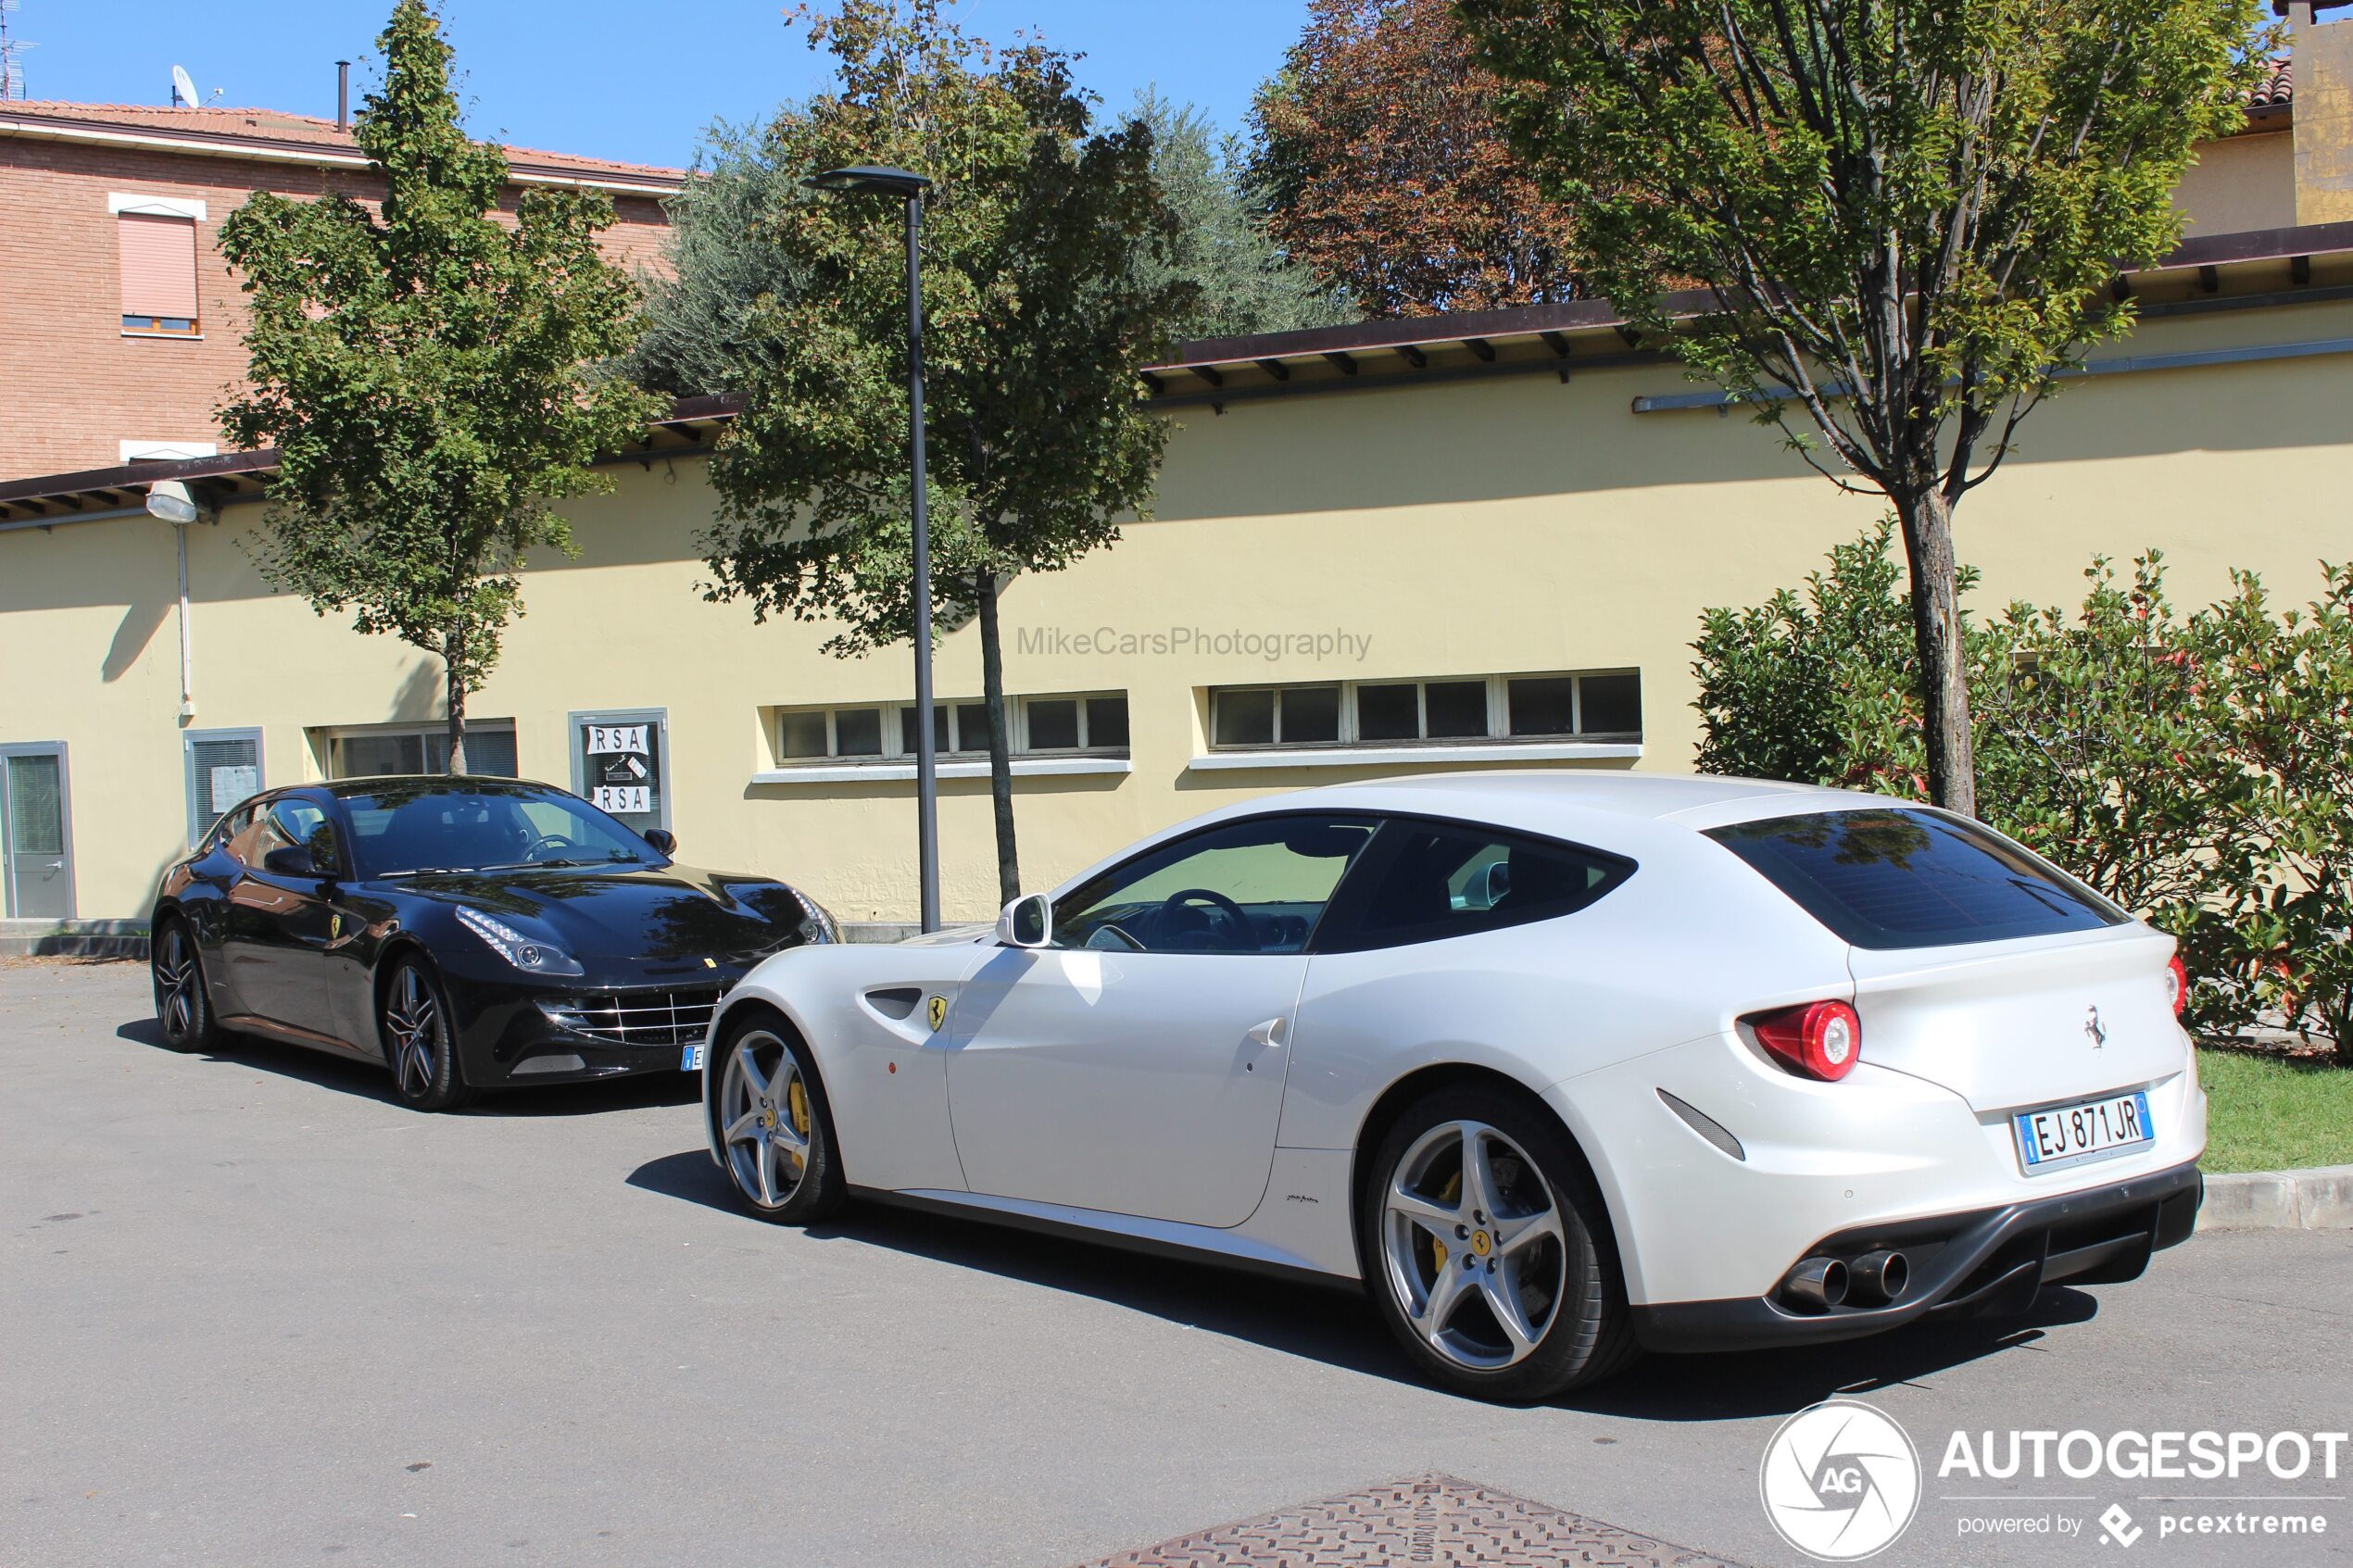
[1814, 1039]
[2177, 984]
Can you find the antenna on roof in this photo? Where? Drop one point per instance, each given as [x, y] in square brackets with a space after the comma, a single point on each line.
[11, 67]
[183, 90]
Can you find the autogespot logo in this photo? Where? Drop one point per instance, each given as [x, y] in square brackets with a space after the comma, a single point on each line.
[1839, 1480]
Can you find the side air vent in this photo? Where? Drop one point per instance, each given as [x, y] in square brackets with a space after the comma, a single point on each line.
[1706, 1127]
[898, 1002]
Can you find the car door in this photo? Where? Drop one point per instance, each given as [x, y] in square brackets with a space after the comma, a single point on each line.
[1135, 1065]
[277, 927]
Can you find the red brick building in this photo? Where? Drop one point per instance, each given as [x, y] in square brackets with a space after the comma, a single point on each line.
[120, 326]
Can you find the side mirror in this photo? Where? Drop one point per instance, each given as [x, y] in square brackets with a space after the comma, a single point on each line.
[1026, 922]
[290, 859]
[665, 841]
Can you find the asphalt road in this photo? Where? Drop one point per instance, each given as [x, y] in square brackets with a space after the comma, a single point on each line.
[252, 1313]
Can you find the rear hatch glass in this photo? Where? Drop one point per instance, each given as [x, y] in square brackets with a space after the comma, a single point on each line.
[1911, 877]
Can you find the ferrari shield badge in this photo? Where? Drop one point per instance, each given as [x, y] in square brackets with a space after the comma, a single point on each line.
[937, 1012]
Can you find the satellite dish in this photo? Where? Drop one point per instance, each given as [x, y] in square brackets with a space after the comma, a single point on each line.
[183, 89]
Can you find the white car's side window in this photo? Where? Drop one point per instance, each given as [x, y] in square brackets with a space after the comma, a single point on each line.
[1434, 880]
[1257, 886]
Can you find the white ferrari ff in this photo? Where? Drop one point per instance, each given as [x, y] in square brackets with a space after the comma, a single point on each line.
[1560, 1066]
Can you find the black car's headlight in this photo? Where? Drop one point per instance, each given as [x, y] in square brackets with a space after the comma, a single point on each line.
[527, 953]
[817, 924]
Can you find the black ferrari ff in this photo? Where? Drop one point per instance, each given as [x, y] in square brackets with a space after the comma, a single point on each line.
[468, 932]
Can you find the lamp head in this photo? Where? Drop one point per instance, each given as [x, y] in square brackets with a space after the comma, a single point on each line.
[169, 499]
[870, 180]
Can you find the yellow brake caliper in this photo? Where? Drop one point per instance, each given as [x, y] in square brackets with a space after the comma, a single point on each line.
[1451, 1191]
[797, 1102]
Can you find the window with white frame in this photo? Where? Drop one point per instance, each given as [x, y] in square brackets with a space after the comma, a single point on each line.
[1074, 724]
[1599, 705]
[156, 239]
[366, 752]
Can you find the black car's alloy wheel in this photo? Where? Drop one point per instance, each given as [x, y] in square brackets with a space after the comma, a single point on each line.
[420, 1045]
[773, 1122]
[1488, 1252]
[182, 1006]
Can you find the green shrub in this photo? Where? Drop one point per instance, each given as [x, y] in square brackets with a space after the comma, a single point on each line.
[2196, 770]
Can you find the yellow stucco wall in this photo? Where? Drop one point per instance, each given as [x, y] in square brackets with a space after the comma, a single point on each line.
[1480, 527]
[2324, 121]
[2238, 183]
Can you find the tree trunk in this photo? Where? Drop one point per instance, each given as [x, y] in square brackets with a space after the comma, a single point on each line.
[1936, 630]
[1000, 750]
[453, 650]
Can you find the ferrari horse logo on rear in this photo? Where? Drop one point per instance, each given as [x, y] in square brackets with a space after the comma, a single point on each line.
[2094, 1028]
[937, 1012]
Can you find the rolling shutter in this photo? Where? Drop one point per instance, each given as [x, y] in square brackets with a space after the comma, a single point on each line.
[159, 267]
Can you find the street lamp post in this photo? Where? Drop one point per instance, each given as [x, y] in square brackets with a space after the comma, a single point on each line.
[870, 181]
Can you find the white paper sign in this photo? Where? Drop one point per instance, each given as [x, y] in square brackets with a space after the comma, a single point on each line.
[617, 738]
[623, 799]
[232, 784]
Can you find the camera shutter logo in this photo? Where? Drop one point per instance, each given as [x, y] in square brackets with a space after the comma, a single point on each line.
[1839, 1480]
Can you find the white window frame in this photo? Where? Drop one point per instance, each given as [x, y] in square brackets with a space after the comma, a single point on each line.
[325, 736]
[1353, 751]
[896, 761]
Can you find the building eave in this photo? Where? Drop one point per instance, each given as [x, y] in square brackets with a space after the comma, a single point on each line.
[233, 478]
[2262, 266]
[257, 148]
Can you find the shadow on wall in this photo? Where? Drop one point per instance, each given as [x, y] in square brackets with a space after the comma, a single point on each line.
[1531, 436]
[141, 620]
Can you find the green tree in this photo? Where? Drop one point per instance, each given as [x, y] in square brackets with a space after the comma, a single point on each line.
[1221, 243]
[424, 370]
[1908, 215]
[1041, 306]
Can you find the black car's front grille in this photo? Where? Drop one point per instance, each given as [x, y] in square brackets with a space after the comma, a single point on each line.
[639, 1018]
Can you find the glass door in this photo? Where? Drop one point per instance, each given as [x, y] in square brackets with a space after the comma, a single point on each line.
[620, 764]
[36, 847]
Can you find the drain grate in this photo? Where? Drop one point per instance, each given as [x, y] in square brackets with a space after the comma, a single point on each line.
[1435, 1520]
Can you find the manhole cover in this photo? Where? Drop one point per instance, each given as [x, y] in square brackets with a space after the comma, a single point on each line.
[1436, 1520]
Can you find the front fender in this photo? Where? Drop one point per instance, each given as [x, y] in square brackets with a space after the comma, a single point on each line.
[886, 1078]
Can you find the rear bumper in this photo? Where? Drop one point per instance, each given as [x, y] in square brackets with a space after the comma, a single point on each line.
[1986, 1260]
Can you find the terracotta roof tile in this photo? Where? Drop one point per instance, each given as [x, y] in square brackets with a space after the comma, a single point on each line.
[2277, 90]
[279, 128]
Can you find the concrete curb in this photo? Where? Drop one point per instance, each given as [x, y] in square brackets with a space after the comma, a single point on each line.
[2318, 1199]
[74, 938]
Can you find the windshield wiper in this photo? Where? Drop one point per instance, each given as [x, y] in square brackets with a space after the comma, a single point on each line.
[424, 871]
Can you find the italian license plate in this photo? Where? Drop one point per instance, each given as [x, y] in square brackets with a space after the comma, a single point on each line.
[2061, 1136]
[690, 1058]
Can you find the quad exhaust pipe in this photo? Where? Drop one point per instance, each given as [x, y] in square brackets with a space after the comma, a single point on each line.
[1873, 1280]
[1879, 1277]
[1817, 1285]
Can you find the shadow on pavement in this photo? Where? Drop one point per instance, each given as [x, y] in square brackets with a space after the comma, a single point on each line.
[368, 1080]
[1339, 1328]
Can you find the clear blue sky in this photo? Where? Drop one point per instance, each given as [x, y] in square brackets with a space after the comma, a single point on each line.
[631, 82]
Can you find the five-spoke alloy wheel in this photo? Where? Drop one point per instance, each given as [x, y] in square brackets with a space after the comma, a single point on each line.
[1488, 1251]
[774, 1123]
[182, 1007]
[418, 1042]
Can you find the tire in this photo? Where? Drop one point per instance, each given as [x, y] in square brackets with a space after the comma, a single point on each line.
[419, 1044]
[775, 1126]
[1531, 1231]
[184, 1006]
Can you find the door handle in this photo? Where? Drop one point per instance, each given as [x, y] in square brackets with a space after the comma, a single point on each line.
[1269, 1034]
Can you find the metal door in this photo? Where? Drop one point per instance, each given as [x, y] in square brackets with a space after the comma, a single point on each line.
[36, 841]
